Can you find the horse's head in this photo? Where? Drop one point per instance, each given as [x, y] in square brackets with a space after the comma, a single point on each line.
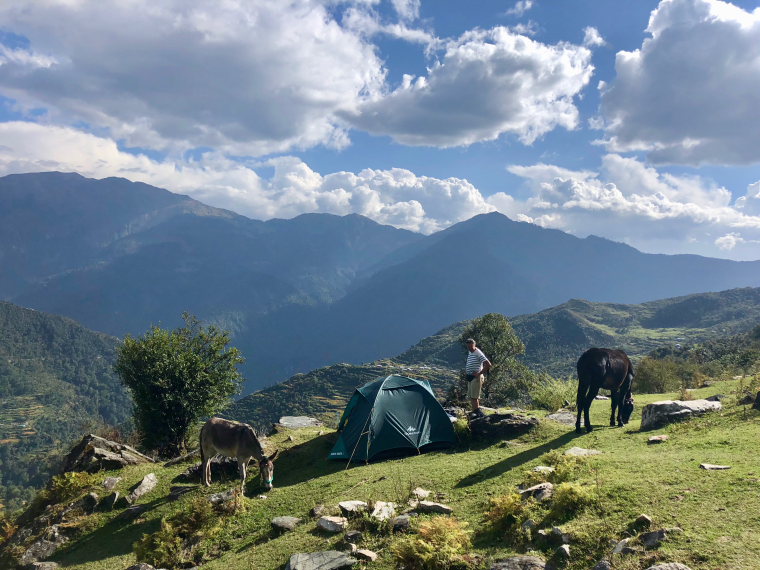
[266, 470]
[626, 409]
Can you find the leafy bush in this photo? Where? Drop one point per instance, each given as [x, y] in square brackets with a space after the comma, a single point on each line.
[178, 543]
[552, 393]
[507, 511]
[440, 544]
[566, 467]
[569, 499]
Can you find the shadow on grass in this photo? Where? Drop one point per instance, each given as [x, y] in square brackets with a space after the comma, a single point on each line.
[113, 539]
[515, 460]
[307, 460]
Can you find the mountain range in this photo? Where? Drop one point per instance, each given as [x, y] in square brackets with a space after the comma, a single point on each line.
[317, 289]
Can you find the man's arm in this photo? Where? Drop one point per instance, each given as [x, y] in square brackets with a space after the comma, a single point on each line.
[486, 365]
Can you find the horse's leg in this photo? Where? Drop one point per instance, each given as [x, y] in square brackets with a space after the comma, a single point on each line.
[592, 392]
[580, 402]
[614, 403]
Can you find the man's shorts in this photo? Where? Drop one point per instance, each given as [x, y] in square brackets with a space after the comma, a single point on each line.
[474, 387]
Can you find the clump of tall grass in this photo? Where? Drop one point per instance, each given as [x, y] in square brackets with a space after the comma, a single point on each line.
[440, 543]
[552, 393]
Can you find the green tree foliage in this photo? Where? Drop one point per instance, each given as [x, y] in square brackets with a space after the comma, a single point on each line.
[509, 380]
[177, 377]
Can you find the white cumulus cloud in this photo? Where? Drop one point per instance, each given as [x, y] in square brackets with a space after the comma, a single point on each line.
[489, 82]
[245, 77]
[689, 94]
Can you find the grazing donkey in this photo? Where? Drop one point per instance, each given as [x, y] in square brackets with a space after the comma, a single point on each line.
[609, 369]
[234, 439]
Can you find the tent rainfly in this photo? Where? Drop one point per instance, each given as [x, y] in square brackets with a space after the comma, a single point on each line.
[391, 414]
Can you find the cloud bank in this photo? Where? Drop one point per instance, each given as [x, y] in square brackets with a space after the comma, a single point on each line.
[689, 94]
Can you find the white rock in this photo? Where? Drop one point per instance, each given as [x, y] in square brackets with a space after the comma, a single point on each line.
[332, 524]
[581, 452]
[657, 414]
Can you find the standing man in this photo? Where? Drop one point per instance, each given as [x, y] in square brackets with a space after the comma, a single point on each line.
[477, 365]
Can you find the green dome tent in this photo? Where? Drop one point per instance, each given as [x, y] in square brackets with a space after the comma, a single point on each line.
[391, 414]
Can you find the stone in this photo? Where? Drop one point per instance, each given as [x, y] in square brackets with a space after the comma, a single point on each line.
[401, 523]
[519, 563]
[318, 511]
[540, 492]
[716, 398]
[581, 452]
[350, 547]
[431, 507]
[42, 566]
[711, 467]
[562, 552]
[545, 469]
[145, 486]
[141, 566]
[191, 456]
[564, 417]
[382, 511]
[559, 536]
[661, 413]
[110, 502]
[332, 524]
[502, 426]
[42, 548]
[352, 508]
[653, 539]
[222, 469]
[642, 522]
[529, 524]
[620, 546]
[109, 483]
[298, 422]
[366, 555]
[90, 502]
[657, 439]
[602, 565]
[328, 560]
[353, 537]
[223, 497]
[669, 566]
[285, 523]
[421, 493]
[95, 453]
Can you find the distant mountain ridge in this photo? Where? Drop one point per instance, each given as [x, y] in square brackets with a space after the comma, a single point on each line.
[554, 339]
[298, 294]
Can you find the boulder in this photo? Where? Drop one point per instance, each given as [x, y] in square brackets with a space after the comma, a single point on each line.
[540, 492]
[382, 511]
[352, 508]
[642, 522]
[318, 511]
[657, 439]
[285, 523]
[669, 566]
[401, 523]
[95, 453]
[436, 508]
[328, 560]
[145, 486]
[502, 426]
[564, 417]
[353, 537]
[420, 493]
[653, 539]
[109, 483]
[298, 422]
[711, 467]
[332, 524]
[366, 555]
[519, 563]
[658, 414]
[39, 550]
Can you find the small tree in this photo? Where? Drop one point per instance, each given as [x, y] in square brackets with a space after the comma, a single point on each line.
[508, 378]
[177, 377]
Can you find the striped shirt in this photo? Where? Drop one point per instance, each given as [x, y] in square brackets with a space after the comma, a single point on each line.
[475, 360]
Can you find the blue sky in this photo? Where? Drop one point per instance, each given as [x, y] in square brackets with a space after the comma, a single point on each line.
[635, 121]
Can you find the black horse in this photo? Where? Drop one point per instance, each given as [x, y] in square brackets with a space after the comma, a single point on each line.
[609, 369]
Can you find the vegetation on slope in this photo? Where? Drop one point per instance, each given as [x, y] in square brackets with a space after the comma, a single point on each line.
[56, 381]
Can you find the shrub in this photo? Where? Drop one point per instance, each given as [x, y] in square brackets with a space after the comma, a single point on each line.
[507, 511]
[552, 393]
[178, 542]
[440, 544]
[569, 499]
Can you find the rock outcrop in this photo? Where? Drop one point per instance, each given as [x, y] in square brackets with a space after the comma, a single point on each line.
[661, 413]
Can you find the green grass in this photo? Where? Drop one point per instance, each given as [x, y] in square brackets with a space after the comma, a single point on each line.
[719, 511]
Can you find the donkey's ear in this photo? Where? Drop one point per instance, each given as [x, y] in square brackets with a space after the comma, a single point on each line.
[274, 455]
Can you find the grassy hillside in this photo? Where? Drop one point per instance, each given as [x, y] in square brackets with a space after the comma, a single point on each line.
[56, 380]
[553, 338]
[717, 510]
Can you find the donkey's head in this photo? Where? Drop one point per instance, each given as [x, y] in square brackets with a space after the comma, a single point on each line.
[626, 409]
[266, 469]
